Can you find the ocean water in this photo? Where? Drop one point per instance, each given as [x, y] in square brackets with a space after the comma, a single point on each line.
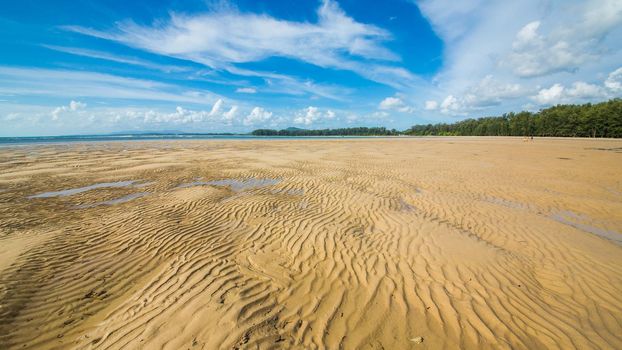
[146, 137]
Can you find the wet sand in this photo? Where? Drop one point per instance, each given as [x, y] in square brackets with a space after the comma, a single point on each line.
[428, 243]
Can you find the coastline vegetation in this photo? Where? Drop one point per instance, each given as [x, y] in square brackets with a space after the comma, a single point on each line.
[358, 131]
[587, 120]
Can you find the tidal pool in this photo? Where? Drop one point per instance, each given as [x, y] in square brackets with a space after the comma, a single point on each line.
[72, 191]
[235, 184]
[119, 200]
[574, 220]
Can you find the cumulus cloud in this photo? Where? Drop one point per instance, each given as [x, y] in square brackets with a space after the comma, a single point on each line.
[582, 90]
[311, 115]
[614, 81]
[72, 107]
[75, 105]
[395, 104]
[180, 116]
[567, 44]
[225, 37]
[257, 116]
[246, 90]
[231, 114]
[535, 55]
[36, 120]
[450, 105]
[488, 92]
[550, 95]
[216, 107]
[579, 91]
[517, 51]
[431, 105]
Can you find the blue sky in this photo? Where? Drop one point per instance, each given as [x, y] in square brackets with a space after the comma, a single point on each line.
[72, 67]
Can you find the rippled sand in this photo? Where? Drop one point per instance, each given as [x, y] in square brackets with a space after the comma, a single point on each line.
[438, 243]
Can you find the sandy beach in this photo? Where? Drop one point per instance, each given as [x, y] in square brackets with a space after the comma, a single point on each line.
[405, 243]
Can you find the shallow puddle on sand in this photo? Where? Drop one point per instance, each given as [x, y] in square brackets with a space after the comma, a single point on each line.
[575, 220]
[192, 184]
[119, 200]
[144, 184]
[404, 206]
[234, 184]
[72, 191]
[506, 203]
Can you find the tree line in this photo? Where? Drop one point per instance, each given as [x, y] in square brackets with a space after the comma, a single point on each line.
[359, 131]
[587, 120]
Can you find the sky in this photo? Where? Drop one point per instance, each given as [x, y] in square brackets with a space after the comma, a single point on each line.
[88, 67]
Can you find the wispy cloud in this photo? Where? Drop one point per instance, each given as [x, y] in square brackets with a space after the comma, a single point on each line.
[119, 59]
[246, 90]
[225, 37]
[68, 83]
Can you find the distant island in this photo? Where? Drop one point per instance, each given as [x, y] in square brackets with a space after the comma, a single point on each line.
[587, 120]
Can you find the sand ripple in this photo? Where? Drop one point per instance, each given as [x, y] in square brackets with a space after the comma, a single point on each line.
[398, 244]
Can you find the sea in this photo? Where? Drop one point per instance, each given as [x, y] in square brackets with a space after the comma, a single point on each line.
[13, 141]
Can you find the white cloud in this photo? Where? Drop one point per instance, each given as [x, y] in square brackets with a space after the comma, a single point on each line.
[352, 118]
[257, 116]
[29, 119]
[527, 34]
[380, 114]
[11, 117]
[225, 37]
[550, 95]
[73, 106]
[311, 115]
[181, 116]
[583, 90]
[490, 91]
[431, 105]
[231, 114]
[246, 90]
[614, 81]
[395, 104]
[216, 107]
[450, 105]
[79, 84]
[579, 92]
[515, 49]
[535, 55]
